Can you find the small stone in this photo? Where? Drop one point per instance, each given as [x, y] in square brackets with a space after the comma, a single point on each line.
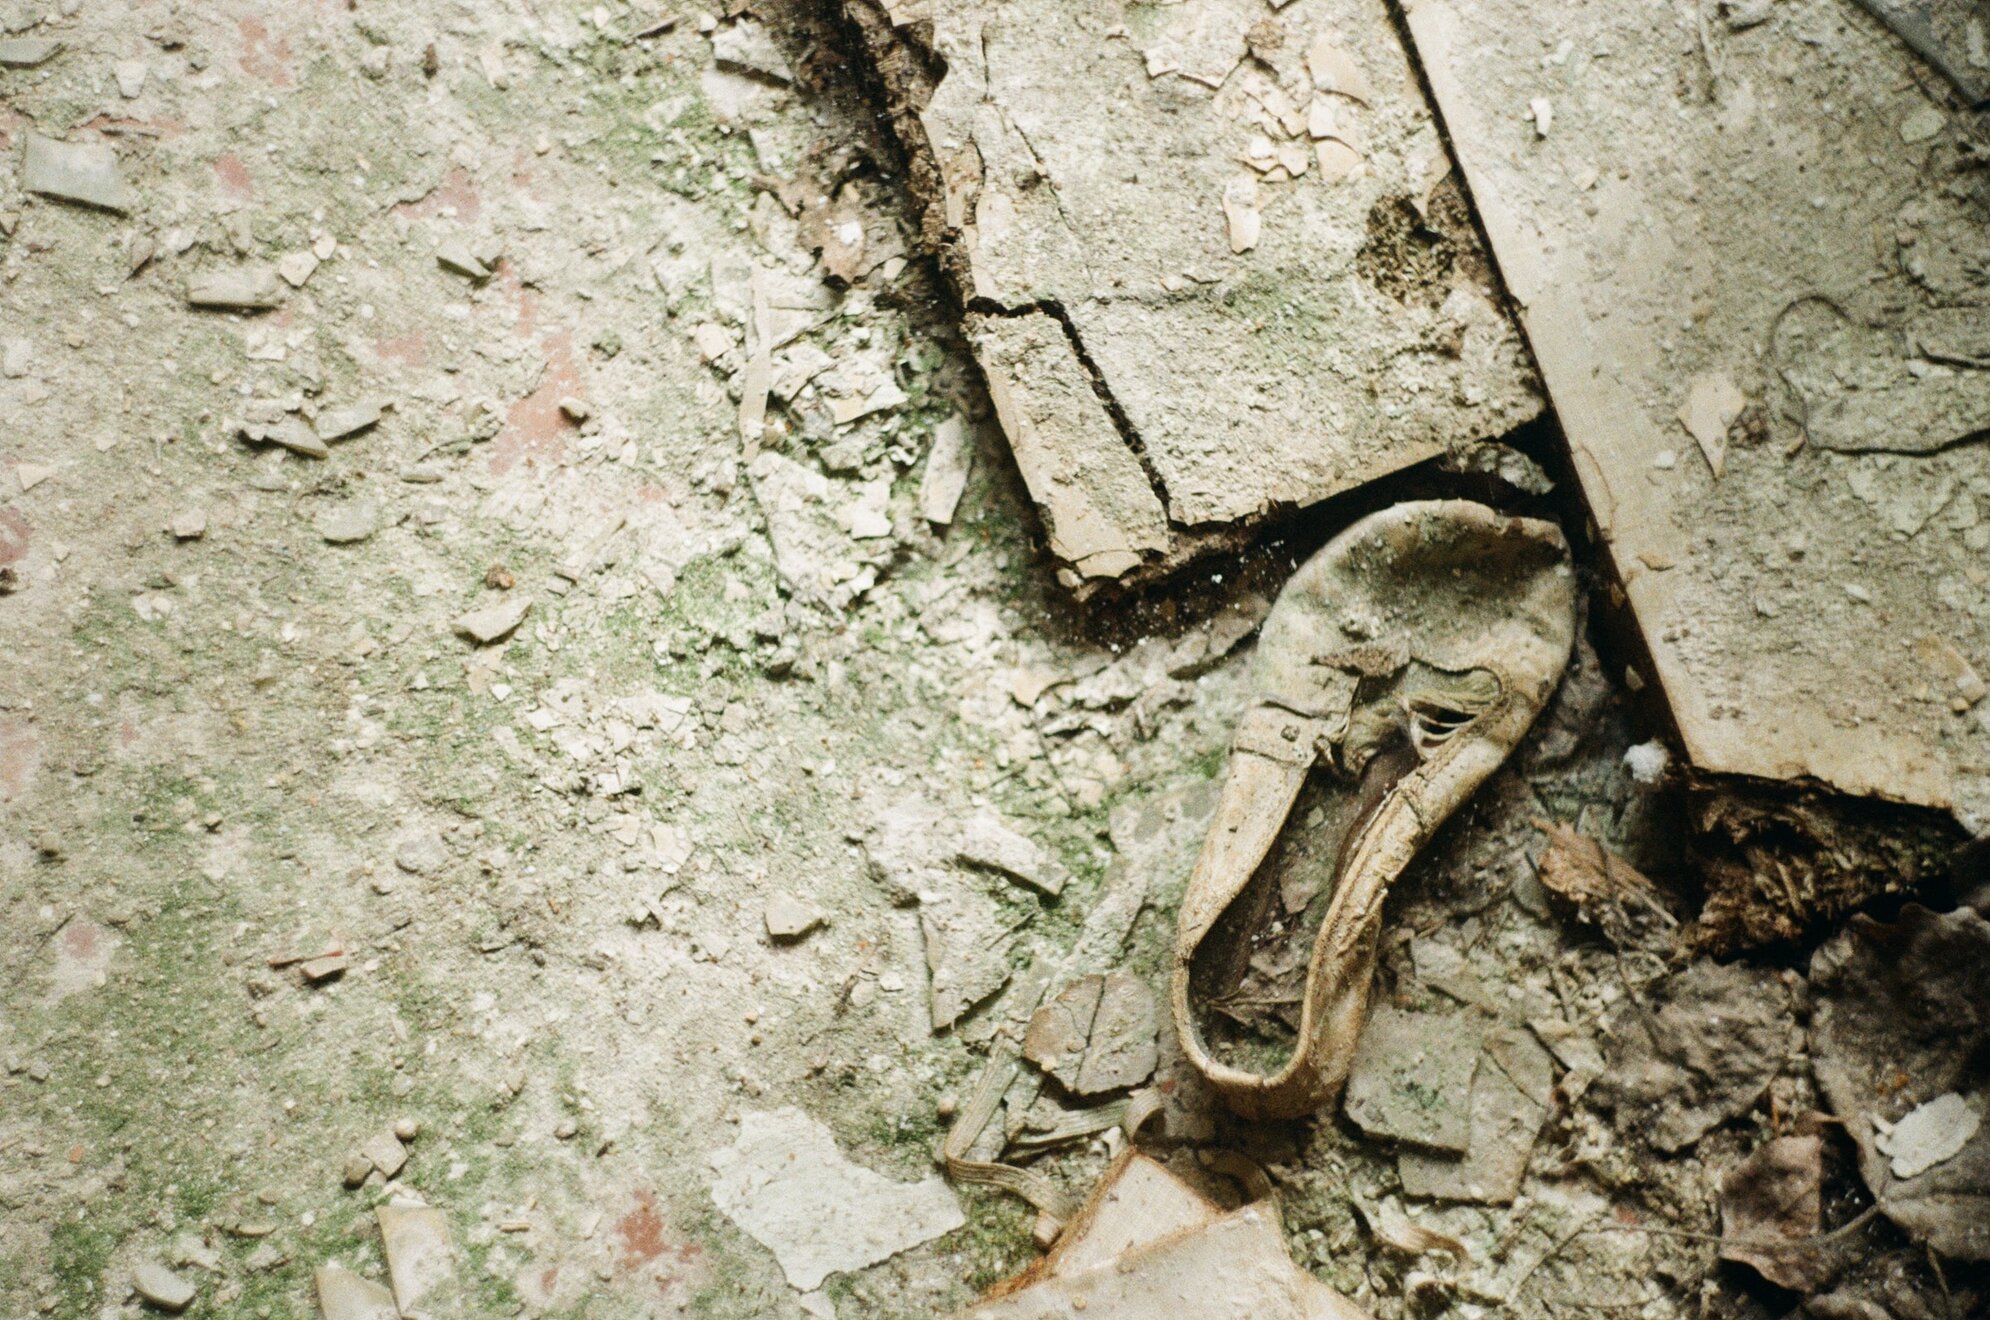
[343, 1295]
[788, 918]
[565, 1129]
[420, 1260]
[356, 1169]
[248, 288]
[161, 1287]
[422, 854]
[1923, 123]
[576, 410]
[385, 1152]
[406, 1129]
[453, 253]
[318, 970]
[348, 522]
[28, 52]
[188, 525]
[84, 172]
[297, 267]
[266, 1257]
[31, 475]
[130, 75]
[494, 623]
[338, 423]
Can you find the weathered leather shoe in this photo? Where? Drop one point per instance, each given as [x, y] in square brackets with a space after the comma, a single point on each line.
[1401, 665]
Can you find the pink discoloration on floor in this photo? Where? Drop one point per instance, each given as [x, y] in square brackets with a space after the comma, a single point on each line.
[233, 176]
[535, 430]
[264, 56]
[644, 1244]
[20, 757]
[14, 537]
[457, 191]
[409, 350]
[83, 951]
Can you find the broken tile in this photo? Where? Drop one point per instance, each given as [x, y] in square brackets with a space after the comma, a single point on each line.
[786, 1184]
[344, 1295]
[788, 918]
[1411, 1079]
[85, 172]
[421, 1261]
[1510, 1096]
[494, 623]
[1098, 1034]
[987, 842]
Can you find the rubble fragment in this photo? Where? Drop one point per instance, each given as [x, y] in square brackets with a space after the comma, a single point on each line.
[27, 52]
[85, 172]
[161, 1287]
[784, 1181]
[948, 461]
[421, 1261]
[344, 1295]
[1096, 1035]
[247, 288]
[1146, 1245]
[988, 843]
[1510, 1095]
[788, 919]
[1411, 1079]
[494, 623]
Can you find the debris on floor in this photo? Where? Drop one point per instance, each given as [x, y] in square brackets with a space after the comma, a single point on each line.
[1225, 193]
[1782, 559]
[784, 1181]
[1146, 1244]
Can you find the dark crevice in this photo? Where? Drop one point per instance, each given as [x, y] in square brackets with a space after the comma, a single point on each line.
[1129, 435]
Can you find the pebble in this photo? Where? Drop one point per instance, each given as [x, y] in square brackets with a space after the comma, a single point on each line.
[494, 623]
[161, 1287]
[788, 918]
[325, 968]
[188, 525]
[349, 522]
[385, 1152]
[130, 75]
[454, 254]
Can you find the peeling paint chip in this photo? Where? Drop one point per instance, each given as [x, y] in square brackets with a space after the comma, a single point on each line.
[785, 1182]
[1240, 209]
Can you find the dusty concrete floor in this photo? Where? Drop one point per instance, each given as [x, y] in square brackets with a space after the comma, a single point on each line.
[240, 731]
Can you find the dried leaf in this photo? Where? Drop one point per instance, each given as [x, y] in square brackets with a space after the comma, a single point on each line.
[1769, 1214]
